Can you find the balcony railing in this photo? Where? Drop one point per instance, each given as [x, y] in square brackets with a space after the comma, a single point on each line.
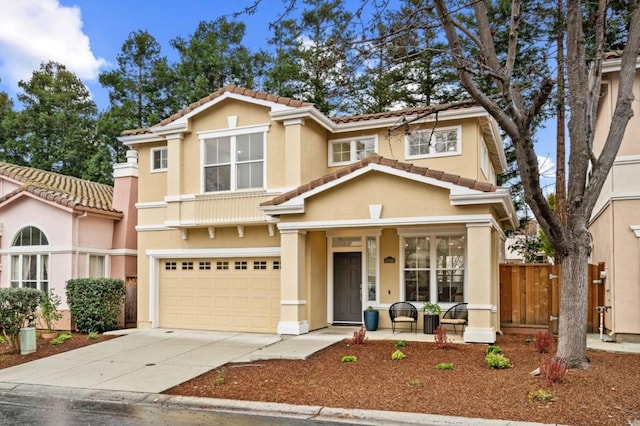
[230, 208]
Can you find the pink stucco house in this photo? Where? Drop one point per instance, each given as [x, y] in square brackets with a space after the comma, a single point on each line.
[54, 228]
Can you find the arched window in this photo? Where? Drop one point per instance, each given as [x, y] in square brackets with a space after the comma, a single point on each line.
[30, 268]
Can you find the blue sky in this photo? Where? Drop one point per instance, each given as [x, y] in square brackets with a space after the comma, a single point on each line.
[87, 35]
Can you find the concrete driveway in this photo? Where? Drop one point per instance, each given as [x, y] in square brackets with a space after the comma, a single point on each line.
[141, 361]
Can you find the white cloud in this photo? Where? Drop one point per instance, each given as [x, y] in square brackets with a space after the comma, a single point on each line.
[36, 31]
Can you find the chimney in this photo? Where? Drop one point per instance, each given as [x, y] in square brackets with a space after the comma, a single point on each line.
[125, 196]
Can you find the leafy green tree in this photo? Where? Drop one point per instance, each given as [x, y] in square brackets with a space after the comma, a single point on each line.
[213, 57]
[140, 91]
[10, 150]
[320, 44]
[284, 75]
[402, 64]
[56, 127]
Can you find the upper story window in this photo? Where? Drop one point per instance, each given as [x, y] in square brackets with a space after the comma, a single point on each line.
[346, 151]
[434, 143]
[234, 162]
[159, 159]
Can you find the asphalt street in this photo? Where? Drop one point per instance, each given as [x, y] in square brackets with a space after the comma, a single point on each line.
[49, 411]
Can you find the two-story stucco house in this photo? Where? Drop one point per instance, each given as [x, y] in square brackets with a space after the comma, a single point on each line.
[259, 213]
[615, 223]
[55, 227]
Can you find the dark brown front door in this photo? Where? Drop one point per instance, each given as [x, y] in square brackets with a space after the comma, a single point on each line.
[347, 281]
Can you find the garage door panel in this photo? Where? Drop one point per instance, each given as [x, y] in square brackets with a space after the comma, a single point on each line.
[205, 297]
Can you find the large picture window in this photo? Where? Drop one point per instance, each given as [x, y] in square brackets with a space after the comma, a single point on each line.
[346, 151]
[234, 162]
[434, 143]
[30, 269]
[433, 269]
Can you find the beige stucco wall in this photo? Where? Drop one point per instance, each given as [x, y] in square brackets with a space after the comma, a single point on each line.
[316, 279]
[398, 196]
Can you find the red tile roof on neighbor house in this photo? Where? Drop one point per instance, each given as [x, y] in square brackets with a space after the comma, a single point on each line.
[395, 164]
[68, 191]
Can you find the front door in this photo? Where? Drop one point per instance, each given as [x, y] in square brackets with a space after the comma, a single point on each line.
[347, 282]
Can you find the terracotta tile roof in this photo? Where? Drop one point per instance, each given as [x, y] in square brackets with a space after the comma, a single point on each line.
[68, 191]
[232, 88]
[404, 112]
[395, 164]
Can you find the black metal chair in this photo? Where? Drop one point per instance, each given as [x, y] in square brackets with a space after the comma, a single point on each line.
[456, 315]
[403, 312]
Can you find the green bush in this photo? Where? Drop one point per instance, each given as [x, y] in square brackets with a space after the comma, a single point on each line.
[498, 361]
[49, 313]
[493, 349]
[349, 358]
[18, 308]
[400, 344]
[61, 339]
[445, 366]
[95, 303]
[398, 355]
[93, 335]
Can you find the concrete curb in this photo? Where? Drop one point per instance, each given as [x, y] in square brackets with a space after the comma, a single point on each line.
[257, 408]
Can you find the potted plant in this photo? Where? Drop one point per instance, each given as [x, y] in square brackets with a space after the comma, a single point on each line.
[431, 317]
[371, 316]
[49, 313]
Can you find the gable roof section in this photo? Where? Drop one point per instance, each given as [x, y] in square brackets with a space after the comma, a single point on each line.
[67, 191]
[462, 191]
[226, 91]
[446, 179]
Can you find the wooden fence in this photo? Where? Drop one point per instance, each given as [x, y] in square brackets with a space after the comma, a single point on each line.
[530, 296]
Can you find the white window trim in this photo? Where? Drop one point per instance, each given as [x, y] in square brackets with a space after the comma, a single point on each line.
[233, 133]
[151, 165]
[432, 270]
[105, 265]
[458, 150]
[484, 159]
[38, 280]
[354, 152]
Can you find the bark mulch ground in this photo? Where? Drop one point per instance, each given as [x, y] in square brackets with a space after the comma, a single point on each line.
[608, 394]
[44, 348]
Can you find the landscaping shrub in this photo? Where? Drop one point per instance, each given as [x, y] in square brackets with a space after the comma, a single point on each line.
[18, 308]
[95, 303]
[400, 344]
[540, 395]
[544, 342]
[497, 361]
[49, 313]
[61, 339]
[359, 336]
[553, 370]
[398, 355]
[445, 366]
[441, 339]
[493, 349]
[349, 358]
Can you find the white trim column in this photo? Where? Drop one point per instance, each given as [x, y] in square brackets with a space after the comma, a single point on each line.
[480, 288]
[293, 292]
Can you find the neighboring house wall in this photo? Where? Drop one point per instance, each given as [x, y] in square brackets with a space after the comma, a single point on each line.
[615, 224]
[79, 222]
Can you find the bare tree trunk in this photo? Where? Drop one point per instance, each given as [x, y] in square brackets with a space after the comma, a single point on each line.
[573, 304]
[561, 189]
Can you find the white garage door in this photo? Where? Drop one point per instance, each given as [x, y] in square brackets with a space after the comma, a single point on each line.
[220, 294]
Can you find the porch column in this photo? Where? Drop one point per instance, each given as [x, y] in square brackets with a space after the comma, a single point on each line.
[480, 288]
[293, 294]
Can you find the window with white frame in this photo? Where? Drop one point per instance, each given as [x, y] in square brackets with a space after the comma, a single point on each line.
[346, 151]
[159, 159]
[433, 269]
[30, 269]
[97, 266]
[484, 158]
[434, 142]
[234, 162]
